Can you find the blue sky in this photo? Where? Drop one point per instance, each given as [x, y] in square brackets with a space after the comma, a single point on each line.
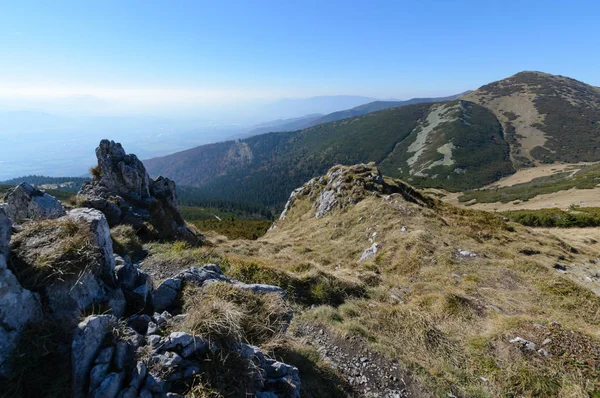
[152, 53]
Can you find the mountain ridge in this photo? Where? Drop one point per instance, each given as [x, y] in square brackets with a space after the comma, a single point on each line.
[527, 119]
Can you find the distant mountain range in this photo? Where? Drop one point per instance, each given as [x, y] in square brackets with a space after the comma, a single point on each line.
[300, 123]
[525, 120]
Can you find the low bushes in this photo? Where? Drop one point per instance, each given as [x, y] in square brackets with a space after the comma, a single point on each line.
[573, 218]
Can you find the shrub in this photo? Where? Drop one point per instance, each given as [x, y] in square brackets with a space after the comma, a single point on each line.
[96, 172]
[573, 218]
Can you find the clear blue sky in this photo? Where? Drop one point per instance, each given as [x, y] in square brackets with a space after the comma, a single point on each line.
[221, 50]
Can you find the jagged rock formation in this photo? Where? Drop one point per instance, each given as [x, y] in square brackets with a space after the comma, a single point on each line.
[343, 186]
[26, 202]
[148, 357]
[69, 265]
[170, 290]
[123, 191]
[18, 306]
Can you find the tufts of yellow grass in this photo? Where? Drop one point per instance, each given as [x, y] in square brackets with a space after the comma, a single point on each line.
[446, 316]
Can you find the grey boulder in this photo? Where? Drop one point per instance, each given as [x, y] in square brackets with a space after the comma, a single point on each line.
[87, 342]
[25, 202]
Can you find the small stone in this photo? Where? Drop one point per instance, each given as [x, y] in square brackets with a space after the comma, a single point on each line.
[543, 352]
[152, 328]
[154, 340]
[524, 344]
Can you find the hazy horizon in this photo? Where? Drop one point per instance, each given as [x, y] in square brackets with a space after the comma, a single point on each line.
[196, 71]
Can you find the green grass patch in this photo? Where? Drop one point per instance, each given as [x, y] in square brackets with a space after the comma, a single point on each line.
[573, 218]
[234, 228]
[309, 288]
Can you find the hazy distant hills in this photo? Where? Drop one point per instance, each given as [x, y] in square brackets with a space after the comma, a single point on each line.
[294, 107]
[292, 124]
[317, 118]
[377, 106]
[461, 144]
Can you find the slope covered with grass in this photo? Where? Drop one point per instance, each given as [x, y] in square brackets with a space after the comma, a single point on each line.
[265, 168]
[446, 291]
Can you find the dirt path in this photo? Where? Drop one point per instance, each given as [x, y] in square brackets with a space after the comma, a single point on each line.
[368, 373]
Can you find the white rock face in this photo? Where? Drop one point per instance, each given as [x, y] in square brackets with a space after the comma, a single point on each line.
[101, 231]
[5, 232]
[18, 307]
[25, 202]
[369, 253]
[326, 202]
[87, 342]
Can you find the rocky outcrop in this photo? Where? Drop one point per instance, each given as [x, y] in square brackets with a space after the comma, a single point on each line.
[122, 189]
[146, 355]
[25, 202]
[343, 186]
[5, 233]
[112, 360]
[118, 174]
[135, 349]
[137, 286]
[100, 231]
[18, 307]
[168, 292]
[70, 262]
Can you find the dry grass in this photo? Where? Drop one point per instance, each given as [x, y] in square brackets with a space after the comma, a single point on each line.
[51, 250]
[225, 315]
[126, 242]
[228, 375]
[440, 313]
[40, 368]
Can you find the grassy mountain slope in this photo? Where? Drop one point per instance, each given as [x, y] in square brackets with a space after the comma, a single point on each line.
[460, 144]
[546, 118]
[266, 168]
[445, 292]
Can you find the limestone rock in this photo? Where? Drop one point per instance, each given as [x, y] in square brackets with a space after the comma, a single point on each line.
[90, 280]
[166, 294]
[87, 341]
[5, 233]
[18, 308]
[25, 202]
[123, 190]
[101, 232]
[343, 186]
[369, 252]
[110, 386]
[118, 174]
[110, 207]
[137, 287]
